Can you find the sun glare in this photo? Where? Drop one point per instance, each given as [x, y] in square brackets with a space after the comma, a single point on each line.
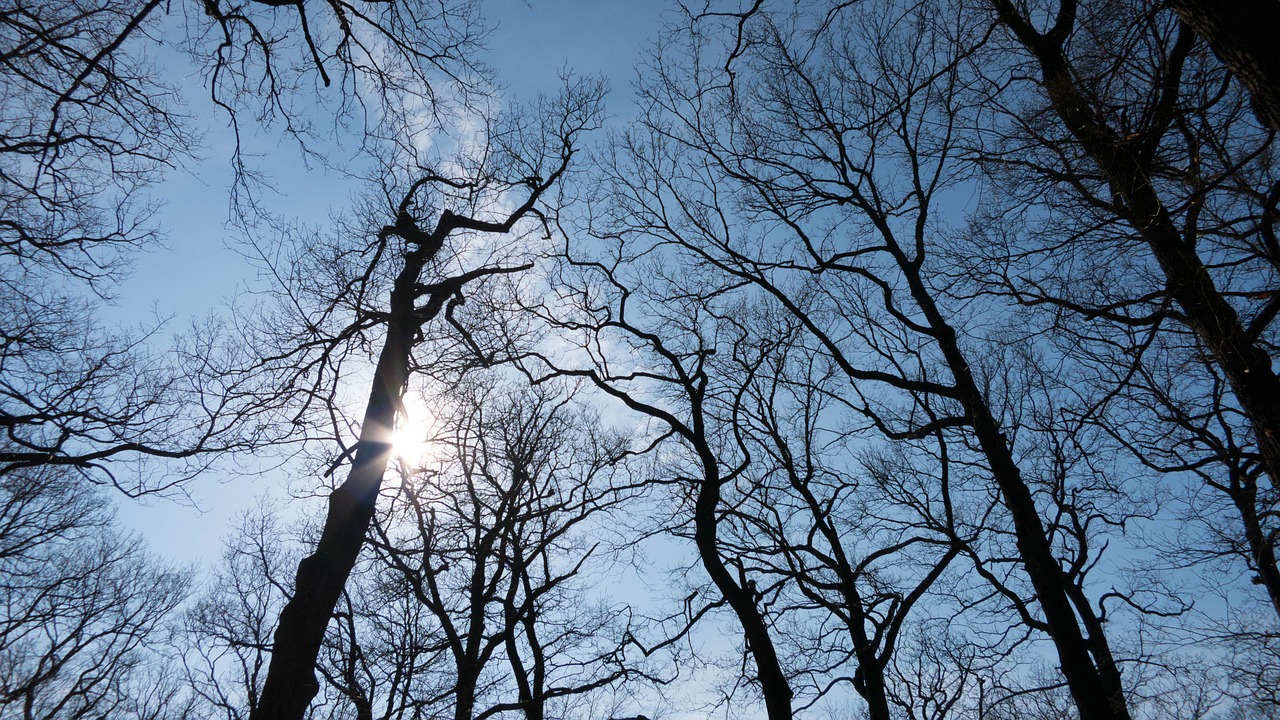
[410, 442]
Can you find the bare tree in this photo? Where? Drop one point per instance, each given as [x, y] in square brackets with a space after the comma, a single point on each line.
[662, 370]
[80, 606]
[810, 167]
[832, 530]
[85, 128]
[1126, 153]
[495, 542]
[513, 165]
[1133, 209]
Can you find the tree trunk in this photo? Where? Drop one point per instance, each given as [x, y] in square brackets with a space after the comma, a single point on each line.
[465, 693]
[1095, 686]
[773, 682]
[1242, 34]
[1247, 367]
[1094, 681]
[868, 681]
[291, 682]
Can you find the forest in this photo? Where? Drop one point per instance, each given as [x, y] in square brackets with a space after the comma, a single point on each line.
[858, 359]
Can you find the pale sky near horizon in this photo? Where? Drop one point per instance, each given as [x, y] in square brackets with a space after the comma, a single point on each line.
[532, 43]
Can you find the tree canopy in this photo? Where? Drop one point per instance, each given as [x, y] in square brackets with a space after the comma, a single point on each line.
[881, 359]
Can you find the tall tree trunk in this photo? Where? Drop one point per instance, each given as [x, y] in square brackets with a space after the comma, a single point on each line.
[465, 692]
[1094, 681]
[773, 682]
[1242, 34]
[291, 682]
[1246, 365]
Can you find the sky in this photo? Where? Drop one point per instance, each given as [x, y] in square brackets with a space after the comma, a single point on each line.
[200, 271]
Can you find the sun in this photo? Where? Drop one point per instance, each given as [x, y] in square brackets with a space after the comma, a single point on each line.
[411, 439]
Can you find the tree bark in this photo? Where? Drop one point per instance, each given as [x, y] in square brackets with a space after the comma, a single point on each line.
[1242, 34]
[291, 682]
[1094, 683]
[773, 682]
[1246, 366]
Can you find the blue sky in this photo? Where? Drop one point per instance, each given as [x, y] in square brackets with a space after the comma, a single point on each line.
[533, 41]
